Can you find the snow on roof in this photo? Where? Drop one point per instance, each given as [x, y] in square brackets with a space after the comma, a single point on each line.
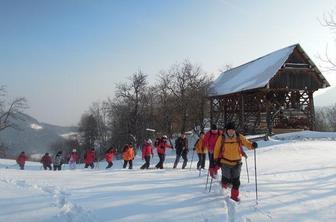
[252, 75]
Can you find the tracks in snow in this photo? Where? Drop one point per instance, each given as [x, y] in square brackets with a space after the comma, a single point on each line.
[69, 211]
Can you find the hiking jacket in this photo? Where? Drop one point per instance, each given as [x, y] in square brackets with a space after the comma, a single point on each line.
[109, 156]
[181, 145]
[128, 154]
[210, 140]
[229, 150]
[147, 150]
[21, 159]
[161, 148]
[46, 160]
[89, 157]
[73, 157]
[200, 146]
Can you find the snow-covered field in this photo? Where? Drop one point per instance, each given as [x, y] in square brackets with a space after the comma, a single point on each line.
[296, 182]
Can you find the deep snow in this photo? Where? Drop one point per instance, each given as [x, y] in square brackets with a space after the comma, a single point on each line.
[296, 182]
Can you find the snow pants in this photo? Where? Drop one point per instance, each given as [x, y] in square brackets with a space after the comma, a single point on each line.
[231, 174]
[211, 160]
[21, 166]
[57, 167]
[89, 164]
[130, 162]
[160, 163]
[201, 160]
[72, 165]
[146, 164]
[184, 155]
[109, 165]
[45, 167]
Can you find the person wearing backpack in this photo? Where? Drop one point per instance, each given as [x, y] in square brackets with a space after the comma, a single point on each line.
[228, 154]
[201, 150]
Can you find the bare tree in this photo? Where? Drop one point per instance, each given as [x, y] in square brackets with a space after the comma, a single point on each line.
[9, 108]
[89, 130]
[133, 95]
[185, 79]
[329, 22]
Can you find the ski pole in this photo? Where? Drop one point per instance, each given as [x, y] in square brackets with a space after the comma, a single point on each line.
[210, 184]
[255, 175]
[192, 158]
[248, 176]
[207, 180]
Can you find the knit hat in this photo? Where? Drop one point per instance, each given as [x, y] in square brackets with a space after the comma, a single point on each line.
[213, 127]
[230, 125]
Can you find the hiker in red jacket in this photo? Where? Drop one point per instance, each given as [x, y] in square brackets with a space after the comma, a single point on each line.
[210, 140]
[21, 160]
[89, 158]
[161, 149]
[109, 156]
[46, 161]
[147, 152]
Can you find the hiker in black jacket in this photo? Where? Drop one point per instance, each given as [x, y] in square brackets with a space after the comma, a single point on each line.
[181, 146]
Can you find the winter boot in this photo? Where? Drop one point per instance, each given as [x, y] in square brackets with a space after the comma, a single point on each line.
[234, 194]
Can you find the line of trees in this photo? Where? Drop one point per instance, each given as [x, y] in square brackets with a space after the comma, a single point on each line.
[176, 102]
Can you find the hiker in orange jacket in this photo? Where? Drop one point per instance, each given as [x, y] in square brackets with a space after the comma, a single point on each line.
[128, 155]
[201, 150]
[228, 154]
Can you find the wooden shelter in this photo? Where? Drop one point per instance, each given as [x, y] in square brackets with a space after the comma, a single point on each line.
[269, 94]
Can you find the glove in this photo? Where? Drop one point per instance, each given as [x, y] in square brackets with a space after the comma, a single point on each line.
[254, 145]
[244, 154]
[194, 148]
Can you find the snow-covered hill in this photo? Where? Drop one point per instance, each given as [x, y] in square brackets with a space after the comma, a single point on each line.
[296, 182]
[30, 135]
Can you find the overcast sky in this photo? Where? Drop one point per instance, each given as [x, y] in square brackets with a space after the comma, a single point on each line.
[63, 55]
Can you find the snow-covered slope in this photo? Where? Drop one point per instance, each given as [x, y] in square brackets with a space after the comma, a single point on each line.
[296, 182]
[30, 135]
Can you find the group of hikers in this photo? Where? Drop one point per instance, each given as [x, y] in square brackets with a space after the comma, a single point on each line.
[47, 160]
[224, 149]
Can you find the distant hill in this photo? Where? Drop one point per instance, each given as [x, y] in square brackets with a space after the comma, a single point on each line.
[31, 136]
[327, 98]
